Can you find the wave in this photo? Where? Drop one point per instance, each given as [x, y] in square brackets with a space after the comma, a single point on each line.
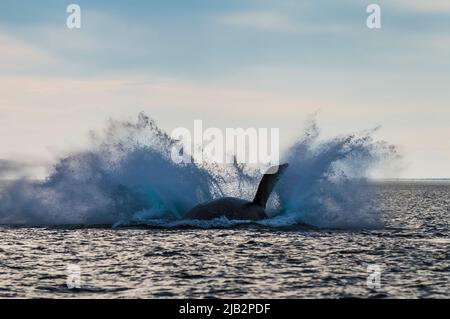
[126, 177]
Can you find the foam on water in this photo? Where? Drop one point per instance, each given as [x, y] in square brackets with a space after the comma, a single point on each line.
[127, 177]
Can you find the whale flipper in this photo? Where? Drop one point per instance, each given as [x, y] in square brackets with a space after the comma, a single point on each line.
[268, 183]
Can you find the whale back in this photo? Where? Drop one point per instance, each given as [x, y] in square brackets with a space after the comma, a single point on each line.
[267, 184]
[229, 207]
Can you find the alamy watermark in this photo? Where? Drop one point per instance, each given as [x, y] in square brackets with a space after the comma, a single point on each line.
[374, 278]
[73, 21]
[258, 146]
[374, 19]
[73, 279]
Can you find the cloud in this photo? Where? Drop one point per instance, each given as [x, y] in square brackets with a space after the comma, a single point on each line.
[57, 112]
[259, 20]
[278, 22]
[101, 32]
[424, 5]
[11, 168]
[105, 42]
[56, 84]
[19, 55]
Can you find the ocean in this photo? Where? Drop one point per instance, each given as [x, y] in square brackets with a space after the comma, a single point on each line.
[407, 257]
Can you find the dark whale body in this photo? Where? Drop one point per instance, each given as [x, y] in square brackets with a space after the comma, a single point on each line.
[239, 209]
[229, 207]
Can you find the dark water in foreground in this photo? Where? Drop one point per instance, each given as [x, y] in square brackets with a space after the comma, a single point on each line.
[413, 251]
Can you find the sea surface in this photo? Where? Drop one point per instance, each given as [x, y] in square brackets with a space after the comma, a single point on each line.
[412, 252]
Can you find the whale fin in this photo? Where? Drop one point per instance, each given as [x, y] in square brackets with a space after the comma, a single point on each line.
[268, 183]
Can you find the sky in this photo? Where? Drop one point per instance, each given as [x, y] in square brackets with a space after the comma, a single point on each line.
[231, 63]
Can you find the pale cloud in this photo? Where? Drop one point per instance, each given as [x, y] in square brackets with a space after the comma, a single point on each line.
[18, 55]
[17, 168]
[423, 5]
[41, 113]
[259, 20]
[100, 32]
[273, 21]
[22, 94]
[48, 116]
[54, 48]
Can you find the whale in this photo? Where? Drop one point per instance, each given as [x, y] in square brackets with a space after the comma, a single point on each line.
[234, 208]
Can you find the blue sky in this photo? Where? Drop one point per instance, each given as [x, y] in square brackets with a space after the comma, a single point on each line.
[231, 63]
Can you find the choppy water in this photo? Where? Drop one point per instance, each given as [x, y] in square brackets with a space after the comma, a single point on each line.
[250, 261]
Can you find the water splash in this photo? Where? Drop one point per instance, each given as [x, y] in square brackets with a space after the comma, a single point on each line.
[327, 184]
[127, 178]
